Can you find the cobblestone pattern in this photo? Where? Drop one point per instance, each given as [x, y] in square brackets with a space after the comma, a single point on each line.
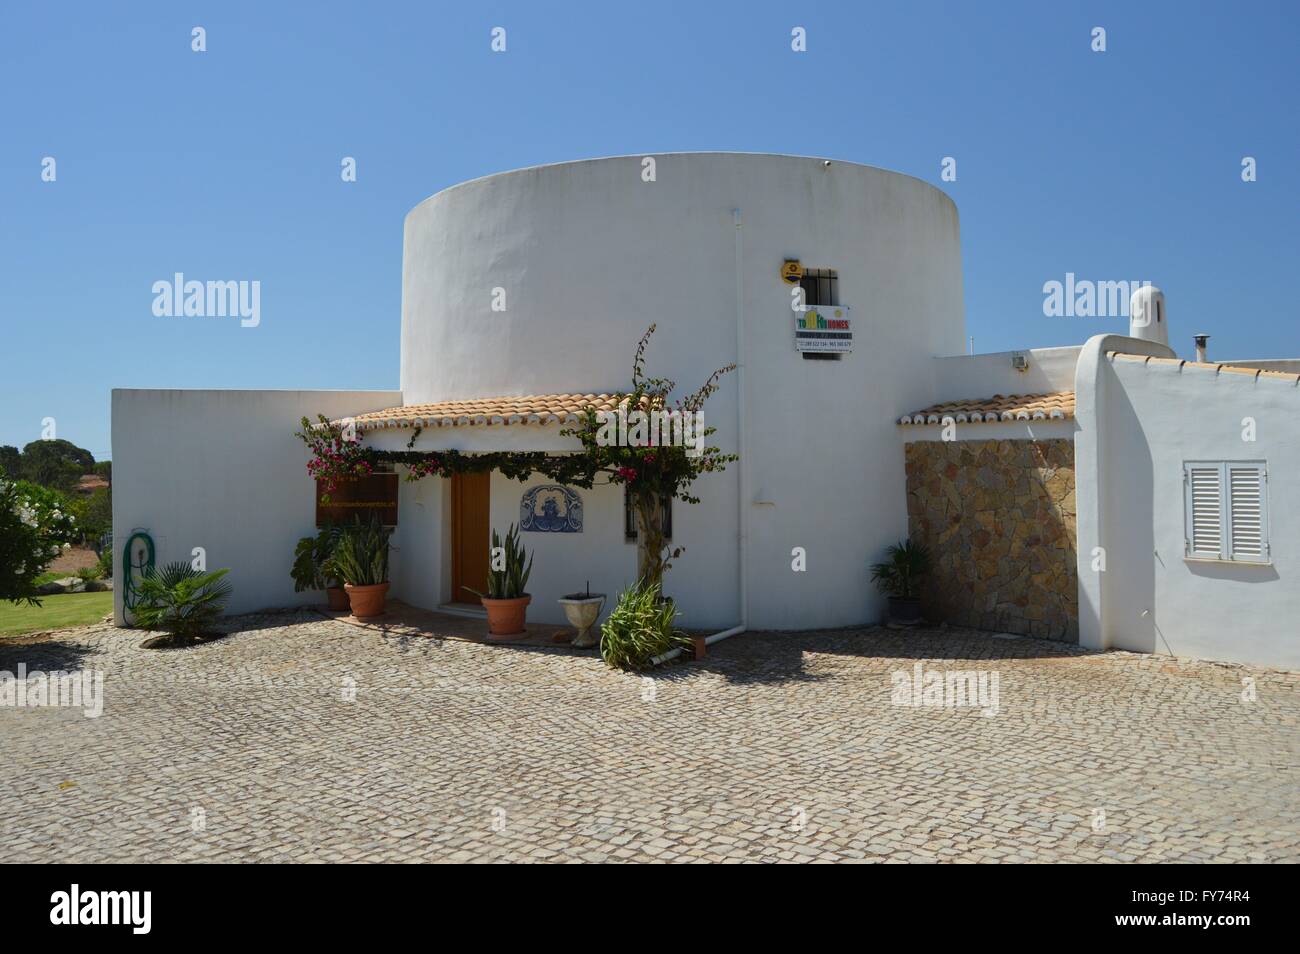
[999, 518]
[778, 747]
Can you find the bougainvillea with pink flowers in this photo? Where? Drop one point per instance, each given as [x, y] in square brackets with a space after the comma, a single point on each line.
[653, 468]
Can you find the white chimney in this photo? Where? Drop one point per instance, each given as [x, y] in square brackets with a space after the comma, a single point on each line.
[1146, 315]
[1200, 347]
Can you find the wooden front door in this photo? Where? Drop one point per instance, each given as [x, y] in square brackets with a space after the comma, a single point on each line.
[469, 535]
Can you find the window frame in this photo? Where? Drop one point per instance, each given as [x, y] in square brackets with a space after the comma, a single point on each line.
[1227, 550]
[629, 516]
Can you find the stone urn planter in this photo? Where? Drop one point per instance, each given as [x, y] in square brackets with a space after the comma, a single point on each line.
[367, 601]
[506, 617]
[582, 610]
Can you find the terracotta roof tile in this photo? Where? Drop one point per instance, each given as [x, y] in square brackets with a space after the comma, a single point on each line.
[1256, 373]
[1057, 406]
[530, 409]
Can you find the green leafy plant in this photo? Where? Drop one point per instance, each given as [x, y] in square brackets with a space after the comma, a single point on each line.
[106, 562]
[507, 574]
[34, 528]
[653, 471]
[89, 574]
[313, 560]
[360, 556]
[181, 600]
[900, 575]
[639, 629]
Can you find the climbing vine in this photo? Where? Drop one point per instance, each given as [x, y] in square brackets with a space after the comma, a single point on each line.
[656, 463]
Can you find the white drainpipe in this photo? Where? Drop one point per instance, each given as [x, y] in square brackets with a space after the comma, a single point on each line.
[742, 512]
[741, 432]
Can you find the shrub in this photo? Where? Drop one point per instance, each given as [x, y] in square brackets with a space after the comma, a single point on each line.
[639, 629]
[361, 555]
[181, 600]
[106, 562]
[94, 514]
[511, 581]
[900, 575]
[313, 561]
[34, 527]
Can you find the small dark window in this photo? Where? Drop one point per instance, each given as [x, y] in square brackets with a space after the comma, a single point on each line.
[821, 286]
[629, 516]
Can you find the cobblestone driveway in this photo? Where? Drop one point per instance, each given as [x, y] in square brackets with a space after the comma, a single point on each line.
[778, 747]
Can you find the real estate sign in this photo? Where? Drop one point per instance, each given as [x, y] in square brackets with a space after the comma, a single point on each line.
[823, 328]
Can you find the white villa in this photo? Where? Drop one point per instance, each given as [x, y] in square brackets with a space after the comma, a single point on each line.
[1107, 493]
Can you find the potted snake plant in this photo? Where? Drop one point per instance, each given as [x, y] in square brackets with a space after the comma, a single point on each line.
[506, 601]
[361, 560]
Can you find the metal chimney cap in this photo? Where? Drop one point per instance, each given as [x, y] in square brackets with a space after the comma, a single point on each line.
[1201, 338]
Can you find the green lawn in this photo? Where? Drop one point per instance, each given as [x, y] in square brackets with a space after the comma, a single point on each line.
[55, 612]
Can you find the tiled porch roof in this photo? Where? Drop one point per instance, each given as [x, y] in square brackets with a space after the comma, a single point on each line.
[1057, 406]
[531, 409]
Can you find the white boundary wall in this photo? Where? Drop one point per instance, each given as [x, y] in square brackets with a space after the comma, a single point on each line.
[222, 470]
[1138, 423]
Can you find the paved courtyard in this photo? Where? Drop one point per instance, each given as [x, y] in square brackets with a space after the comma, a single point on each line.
[777, 747]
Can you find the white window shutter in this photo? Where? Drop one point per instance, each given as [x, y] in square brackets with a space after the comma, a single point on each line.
[1247, 523]
[1204, 510]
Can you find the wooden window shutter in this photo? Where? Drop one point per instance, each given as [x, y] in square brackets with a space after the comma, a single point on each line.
[1246, 519]
[1203, 486]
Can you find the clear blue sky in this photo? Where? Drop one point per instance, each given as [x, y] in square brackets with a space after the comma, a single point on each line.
[225, 164]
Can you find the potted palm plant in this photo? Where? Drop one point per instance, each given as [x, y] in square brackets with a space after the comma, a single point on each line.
[361, 561]
[900, 576]
[506, 601]
[313, 567]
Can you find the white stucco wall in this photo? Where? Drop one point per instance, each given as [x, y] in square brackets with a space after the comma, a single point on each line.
[1148, 419]
[991, 431]
[564, 562]
[972, 376]
[222, 470]
[589, 255]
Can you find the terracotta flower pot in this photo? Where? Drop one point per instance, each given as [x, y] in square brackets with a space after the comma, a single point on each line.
[337, 597]
[506, 617]
[367, 601]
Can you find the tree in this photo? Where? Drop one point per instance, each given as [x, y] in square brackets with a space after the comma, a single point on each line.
[94, 514]
[10, 461]
[55, 463]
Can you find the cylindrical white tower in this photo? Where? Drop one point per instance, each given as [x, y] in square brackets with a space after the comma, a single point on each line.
[541, 281]
[1147, 318]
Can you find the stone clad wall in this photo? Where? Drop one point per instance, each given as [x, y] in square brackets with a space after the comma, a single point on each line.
[999, 519]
